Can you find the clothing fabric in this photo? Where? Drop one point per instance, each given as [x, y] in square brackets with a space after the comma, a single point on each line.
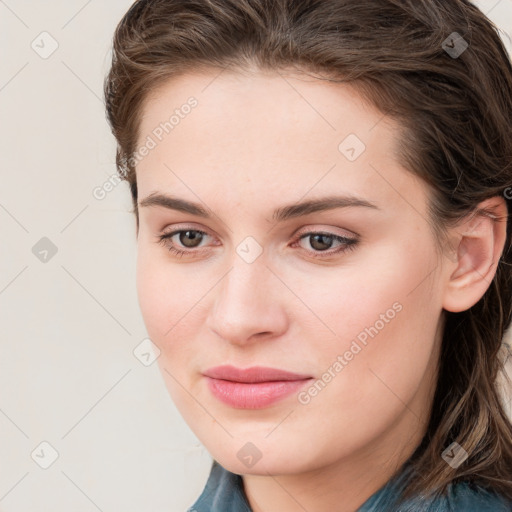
[224, 492]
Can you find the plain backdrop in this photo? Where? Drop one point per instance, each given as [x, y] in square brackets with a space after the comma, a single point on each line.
[84, 424]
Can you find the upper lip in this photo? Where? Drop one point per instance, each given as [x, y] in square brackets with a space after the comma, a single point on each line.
[253, 374]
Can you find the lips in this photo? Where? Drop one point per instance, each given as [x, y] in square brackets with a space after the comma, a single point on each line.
[252, 388]
[253, 374]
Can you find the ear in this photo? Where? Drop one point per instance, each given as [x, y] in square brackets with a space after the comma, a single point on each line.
[478, 242]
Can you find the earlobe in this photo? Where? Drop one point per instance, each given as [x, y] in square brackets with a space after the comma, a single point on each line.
[480, 241]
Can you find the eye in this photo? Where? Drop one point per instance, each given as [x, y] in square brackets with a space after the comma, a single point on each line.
[188, 238]
[321, 242]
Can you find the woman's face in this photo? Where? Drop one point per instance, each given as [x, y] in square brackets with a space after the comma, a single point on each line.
[346, 293]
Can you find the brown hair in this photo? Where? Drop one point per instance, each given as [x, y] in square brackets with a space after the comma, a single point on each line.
[456, 115]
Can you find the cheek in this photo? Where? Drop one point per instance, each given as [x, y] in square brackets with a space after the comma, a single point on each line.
[172, 299]
[169, 301]
[161, 293]
[150, 294]
[385, 314]
[367, 292]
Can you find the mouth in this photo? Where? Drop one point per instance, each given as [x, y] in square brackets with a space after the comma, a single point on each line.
[252, 388]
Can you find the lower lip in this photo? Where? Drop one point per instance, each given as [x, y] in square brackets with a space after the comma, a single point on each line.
[254, 395]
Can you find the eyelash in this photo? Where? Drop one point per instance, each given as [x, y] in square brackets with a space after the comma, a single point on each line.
[349, 243]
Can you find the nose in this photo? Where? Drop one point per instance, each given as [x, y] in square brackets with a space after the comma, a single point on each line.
[248, 304]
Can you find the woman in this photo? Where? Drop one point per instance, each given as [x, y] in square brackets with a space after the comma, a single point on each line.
[320, 193]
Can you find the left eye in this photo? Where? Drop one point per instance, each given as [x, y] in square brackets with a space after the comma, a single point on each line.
[321, 242]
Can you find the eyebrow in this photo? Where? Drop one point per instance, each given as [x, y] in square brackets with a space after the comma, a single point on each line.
[280, 214]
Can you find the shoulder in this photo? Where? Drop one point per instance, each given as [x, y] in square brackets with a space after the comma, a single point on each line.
[459, 497]
[464, 496]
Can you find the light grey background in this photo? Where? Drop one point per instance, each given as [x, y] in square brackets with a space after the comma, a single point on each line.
[70, 324]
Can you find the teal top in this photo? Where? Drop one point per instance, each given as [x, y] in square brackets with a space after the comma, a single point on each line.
[224, 492]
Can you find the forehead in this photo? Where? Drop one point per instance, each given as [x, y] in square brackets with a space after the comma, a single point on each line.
[282, 102]
[250, 129]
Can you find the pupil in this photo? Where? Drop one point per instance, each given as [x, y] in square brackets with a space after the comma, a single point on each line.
[193, 236]
[323, 242]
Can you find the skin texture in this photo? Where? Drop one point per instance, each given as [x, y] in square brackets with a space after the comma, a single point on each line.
[256, 142]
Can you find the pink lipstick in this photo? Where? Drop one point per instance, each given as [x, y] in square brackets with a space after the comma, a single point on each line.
[252, 388]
